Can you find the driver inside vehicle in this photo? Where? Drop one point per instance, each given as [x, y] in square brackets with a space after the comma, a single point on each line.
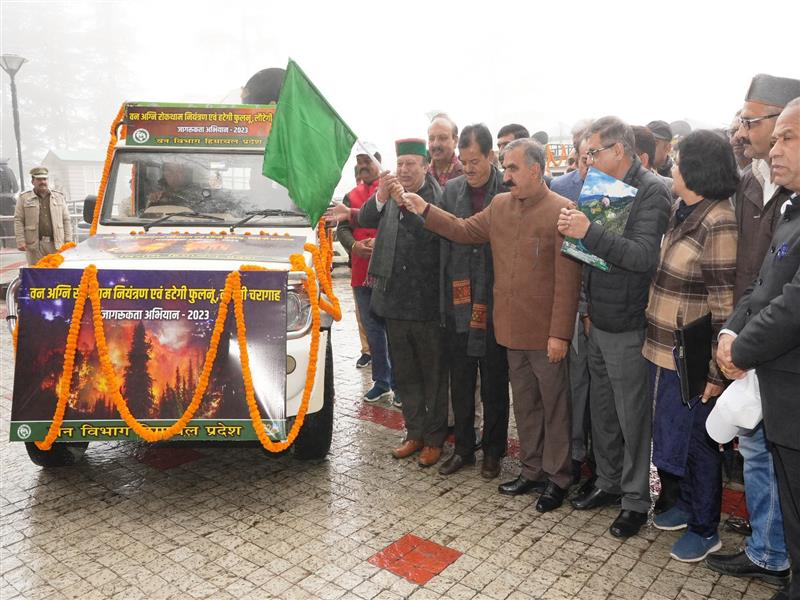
[177, 188]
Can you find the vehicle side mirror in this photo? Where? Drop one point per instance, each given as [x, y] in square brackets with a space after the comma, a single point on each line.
[88, 208]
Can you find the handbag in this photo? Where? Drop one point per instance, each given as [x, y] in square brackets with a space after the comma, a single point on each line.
[692, 354]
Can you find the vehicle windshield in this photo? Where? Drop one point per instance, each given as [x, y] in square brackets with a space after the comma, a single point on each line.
[146, 186]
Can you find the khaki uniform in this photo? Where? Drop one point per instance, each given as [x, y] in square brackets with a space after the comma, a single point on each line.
[27, 225]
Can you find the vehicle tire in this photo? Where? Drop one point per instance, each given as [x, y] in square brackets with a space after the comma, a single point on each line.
[314, 440]
[62, 454]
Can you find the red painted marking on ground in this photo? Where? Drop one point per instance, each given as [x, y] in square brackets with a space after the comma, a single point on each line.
[733, 503]
[415, 558]
[388, 417]
[163, 458]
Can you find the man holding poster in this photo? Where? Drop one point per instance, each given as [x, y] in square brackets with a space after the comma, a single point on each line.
[620, 410]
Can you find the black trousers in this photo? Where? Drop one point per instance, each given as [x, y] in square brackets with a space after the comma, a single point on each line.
[493, 367]
[420, 372]
[787, 469]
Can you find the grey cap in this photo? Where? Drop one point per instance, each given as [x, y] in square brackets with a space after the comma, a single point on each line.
[660, 130]
[775, 91]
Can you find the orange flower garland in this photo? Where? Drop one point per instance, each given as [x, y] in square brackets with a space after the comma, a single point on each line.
[106, 168]
[69, 359]
[90, 289]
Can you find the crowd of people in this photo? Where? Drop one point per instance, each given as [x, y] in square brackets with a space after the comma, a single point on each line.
[462, 289]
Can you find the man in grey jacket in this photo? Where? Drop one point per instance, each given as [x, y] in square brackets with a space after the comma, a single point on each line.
[619, 400]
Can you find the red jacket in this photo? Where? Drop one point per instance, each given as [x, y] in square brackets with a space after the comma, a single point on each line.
[358, 266]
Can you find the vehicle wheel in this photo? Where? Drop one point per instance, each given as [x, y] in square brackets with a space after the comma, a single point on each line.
[314, 439]
[62, 454]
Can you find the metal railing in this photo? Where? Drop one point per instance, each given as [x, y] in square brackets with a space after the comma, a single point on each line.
[7, 239]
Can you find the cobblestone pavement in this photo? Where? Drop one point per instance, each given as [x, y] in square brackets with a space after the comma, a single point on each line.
[173, 521]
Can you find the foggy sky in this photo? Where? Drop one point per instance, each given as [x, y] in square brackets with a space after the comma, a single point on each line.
[383, 66]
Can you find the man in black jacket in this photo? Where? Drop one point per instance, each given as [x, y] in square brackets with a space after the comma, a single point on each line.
[466, 309]
[763, 333]
[404, 274]
[620, 404]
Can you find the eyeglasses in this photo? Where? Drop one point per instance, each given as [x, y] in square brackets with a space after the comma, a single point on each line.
[590, 154]
[748, 123]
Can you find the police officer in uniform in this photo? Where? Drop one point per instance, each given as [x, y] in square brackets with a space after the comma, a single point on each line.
[41, 219]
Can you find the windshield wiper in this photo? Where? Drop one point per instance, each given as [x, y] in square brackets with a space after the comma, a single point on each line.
[188, 213]
[267, 212]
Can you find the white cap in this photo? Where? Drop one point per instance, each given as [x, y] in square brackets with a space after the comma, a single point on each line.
[365, 147]
[738, 408]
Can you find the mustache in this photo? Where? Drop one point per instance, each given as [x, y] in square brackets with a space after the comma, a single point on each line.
[510, 184]
[436, 148]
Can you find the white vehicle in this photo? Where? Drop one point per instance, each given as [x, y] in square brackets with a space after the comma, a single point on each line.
[182, 202]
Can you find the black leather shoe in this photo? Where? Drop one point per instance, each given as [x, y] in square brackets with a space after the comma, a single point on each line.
[521, 486]
[455, 462]
[740, 526]
[740, 565]
[627, 523]
[552, 497]
[594, 498]
[491, 467]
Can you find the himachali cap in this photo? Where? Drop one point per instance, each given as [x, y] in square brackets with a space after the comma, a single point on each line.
[660, 130]
[39, 172]
[411, 146]
[775, 91]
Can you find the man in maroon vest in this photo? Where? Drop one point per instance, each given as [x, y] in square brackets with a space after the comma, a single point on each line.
[358, 241]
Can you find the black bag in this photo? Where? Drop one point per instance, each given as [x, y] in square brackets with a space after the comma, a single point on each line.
[692, 353]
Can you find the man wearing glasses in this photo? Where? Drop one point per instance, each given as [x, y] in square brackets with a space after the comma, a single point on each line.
[620, 412]
[758, 212]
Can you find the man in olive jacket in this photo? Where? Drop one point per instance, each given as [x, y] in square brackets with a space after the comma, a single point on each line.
[535, 300]
[404, 275]
[620, 403]
[41, 219]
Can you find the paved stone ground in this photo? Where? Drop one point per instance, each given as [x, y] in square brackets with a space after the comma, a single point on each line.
[137, 521]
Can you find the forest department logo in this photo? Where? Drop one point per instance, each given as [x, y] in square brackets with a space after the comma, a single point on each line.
[24, 431]
[140, 136]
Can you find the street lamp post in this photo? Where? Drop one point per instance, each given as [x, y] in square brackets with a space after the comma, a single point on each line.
[11, 63]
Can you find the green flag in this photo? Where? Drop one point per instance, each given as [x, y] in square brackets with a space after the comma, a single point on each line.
[308, 144]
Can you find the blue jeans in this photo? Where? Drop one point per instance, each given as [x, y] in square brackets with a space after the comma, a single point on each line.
[376, 336]
[767, 546]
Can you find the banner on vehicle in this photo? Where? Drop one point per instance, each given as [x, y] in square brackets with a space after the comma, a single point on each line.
[158, 326]
[215, 125]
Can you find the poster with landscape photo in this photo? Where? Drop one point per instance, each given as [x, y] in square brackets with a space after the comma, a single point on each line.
[606, 201]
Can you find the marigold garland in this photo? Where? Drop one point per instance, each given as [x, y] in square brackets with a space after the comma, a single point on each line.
[89, 288]
[101, 192]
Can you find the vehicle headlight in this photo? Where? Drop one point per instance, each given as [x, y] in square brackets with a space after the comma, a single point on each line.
[298, 310]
